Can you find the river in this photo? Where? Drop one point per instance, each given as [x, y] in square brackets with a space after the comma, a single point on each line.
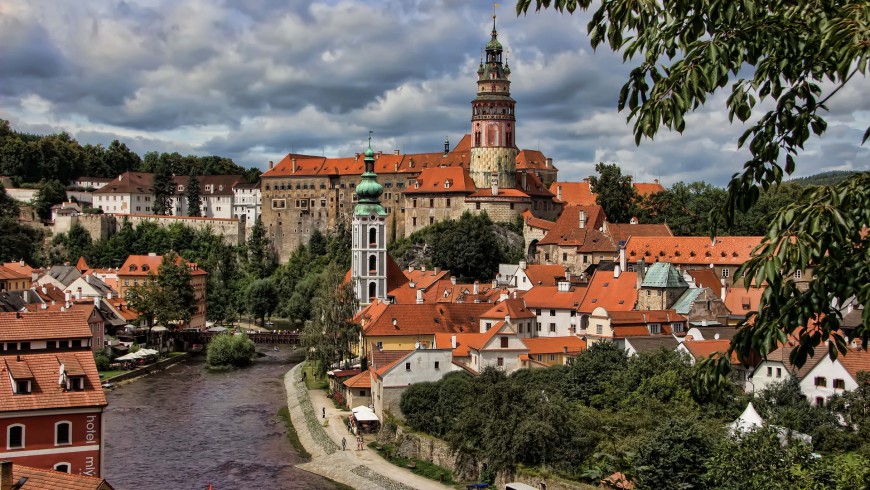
[185, 427]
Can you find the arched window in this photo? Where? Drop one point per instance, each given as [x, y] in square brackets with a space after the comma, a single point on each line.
[15, 436]
[373, 237]
[373, 290]
[373, 265]
[63, 433]
[63, 467]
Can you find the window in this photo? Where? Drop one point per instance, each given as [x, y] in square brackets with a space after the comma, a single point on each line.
[62, 467]
[499, 362]
[504, 342]
[552, 357]
[431, 203]
[725, 272]
[564, 257]
[414, 202]
[538, 327]
[448, 202]
[552, 312]
[552, 327]
[537, 311]
[599, 329]
[655, 328]
[25, 346]
[839, 384]
[488, 326]
[540, 357]
[379, 345]
[62, 431]
[676, 327]
[15, 436]
[22, 386]
[437, 365]
[778, 372]
[798, 274]
[820, 401]
[279, 203]
[477, 205]
[821, 381]
[407, 366]
[76, 383]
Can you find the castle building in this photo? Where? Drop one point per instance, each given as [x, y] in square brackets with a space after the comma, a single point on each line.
[484, 172]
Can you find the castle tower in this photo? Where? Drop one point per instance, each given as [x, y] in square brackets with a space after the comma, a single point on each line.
[369, 242]
[493, 124]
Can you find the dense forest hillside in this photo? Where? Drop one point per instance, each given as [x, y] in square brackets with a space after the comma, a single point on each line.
[825, 178]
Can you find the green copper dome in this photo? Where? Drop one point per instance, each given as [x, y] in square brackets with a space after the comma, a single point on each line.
[369, 190]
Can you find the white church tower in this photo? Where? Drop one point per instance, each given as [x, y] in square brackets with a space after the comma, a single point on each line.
[369, 243]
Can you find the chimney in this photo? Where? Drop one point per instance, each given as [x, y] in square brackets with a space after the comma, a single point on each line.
[34, 276]
[476, 287]
[396, 165]
[507, 318]
[563, 286]
[453, 280]
[152, 254]
[396, 152]
[558, 191]
[622, 261]
[582, 219]
[523, 264]
[494, 183]
[503, 296]
[437, 270]
[453, 341]
[494, 283]
[271, 164]
[617, 271]
[723, 289]
[419, 296]
[410, 268]
[21, 263]
[109, 295]
[120, 177]
[633, 220]
[423, 268]
[294, 164]
[5, 475]
[67, 296]
[97, 301]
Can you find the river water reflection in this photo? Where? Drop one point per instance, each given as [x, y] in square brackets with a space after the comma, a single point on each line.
[185, 427]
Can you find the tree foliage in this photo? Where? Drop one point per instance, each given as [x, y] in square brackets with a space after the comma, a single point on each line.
[614, 192]
[49, 193]
[167, 298]
[261, 299]
[783, 51]
[230, 351]
[164, 188]
[194, 200]
[331, 335]
[19, 241]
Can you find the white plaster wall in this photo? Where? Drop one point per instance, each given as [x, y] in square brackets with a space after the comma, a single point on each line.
[830, 370]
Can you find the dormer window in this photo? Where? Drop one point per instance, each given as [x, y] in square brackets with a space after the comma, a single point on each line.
[655, 328]
[676, 327]
[133, 267]
[180, 188]
[76, 383]
[22, 386]
[145, 268]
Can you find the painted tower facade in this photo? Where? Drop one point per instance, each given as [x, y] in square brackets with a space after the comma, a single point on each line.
[493, 123]
[369, 243]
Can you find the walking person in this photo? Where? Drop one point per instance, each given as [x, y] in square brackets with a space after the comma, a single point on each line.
[344, 444]
[324, 412]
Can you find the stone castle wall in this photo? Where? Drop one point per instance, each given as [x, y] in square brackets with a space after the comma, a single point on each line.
[102, 226]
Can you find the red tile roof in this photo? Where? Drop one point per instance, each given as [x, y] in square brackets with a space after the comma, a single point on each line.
[20, 267]
[567, 231]
[537, 222]
[580, 193]
[9, 274]
[479, 341]
[855, 361]
[445, 341]
[46, 393]
[487, 192]
[726, 250]
[361, 380]
[623, 231]
[707, 278]
[43, 479]
[442, 180]
[551, 297]
[555, 345]
[544, 274]
[420, 319]
[515, 308]
[532, 185]
[530, 159]
[82, 265]
[614, 294]
[741, 301]
[143, 265]
[643, 317]
[129, 182]
[43, 325]
[645, 189]
[381, 358]
[702, 349]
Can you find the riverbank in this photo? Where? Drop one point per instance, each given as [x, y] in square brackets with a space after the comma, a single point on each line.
[145, 370]
[359, 469]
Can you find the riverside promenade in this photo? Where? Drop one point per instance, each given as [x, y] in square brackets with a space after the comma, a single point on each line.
[362, 470]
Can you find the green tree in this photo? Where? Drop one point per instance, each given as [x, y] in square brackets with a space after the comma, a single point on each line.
[230, 351]
[194, 201]
[49, 194]
[75, 243]
[164, 188]
[261, 255]
[674, 456]
[146, 299]
[591, 371]
[782, 51]
[261, 299]
[614, 192]
[467, 247]
[333, 308]
[119, 159]
[173, 278]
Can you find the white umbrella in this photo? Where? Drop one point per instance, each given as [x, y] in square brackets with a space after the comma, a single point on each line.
[159, 328]
[128, 357]
[146, 352]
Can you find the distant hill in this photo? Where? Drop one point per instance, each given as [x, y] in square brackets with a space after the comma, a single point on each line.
[825, 178]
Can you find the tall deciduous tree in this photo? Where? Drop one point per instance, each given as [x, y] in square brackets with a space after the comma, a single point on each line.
[799, 55]
[332, 316]
[167, 299]
[262, 299]
[615, 192]
[194, 200]
[164, 188]
[262, 259]
[51, 193]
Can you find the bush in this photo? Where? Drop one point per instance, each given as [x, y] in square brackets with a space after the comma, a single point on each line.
[230, 351]
[102, 361]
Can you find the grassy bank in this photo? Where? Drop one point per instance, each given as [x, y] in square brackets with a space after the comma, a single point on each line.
[311, 383]
[292, 436]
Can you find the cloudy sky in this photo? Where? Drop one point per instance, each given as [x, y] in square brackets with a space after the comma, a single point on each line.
[256, 79]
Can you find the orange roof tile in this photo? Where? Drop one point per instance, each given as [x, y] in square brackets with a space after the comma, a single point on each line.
[531, 160]
[623, 231]
[43, 325]
[20, 267]
[707, 278]
[551, 297]
[643, 317]
[726, 250]
[567, 231]
[361, 380]
[645, 189]
[479, 341]
[532, 185]
[9, 274]
[445, 341]
[534, 222]
[379, 372]
[487, 192]
[855, 361]
[740, 300]
[420, 319]
[544, 274]
[442, 180]
[702, 349]
[554, 345]
[143, 265]
[614, 294]
[46, 393]
[82, 265]
[515, 308]
[43, 479]
[580, 193]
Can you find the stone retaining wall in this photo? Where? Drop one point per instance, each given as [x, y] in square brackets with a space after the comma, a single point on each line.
[157, 366]
[431, 449]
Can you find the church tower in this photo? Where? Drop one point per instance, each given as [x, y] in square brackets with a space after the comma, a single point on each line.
[493, 124]
[369, 242]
